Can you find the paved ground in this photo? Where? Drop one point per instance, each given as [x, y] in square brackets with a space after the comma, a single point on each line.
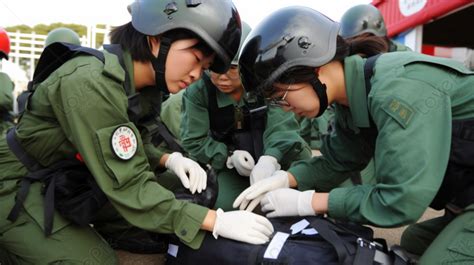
[133, 259]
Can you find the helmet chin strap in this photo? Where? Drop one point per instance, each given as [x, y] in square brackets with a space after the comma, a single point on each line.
[320, 90]
[159, 64]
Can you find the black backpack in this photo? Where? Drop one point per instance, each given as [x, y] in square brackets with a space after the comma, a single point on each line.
[335, 243]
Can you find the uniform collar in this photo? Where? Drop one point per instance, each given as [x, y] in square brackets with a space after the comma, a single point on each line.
[223, 99]
[355, 88]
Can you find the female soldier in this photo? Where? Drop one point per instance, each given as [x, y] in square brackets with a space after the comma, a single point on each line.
[6, 86]
[365, 20]
[413, 113]
[214, 106]
[80, 111]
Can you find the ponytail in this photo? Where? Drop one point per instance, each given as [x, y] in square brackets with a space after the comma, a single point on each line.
[366, 45]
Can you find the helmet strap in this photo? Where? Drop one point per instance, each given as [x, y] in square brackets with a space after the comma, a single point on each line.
[159, 64]
[320, 90]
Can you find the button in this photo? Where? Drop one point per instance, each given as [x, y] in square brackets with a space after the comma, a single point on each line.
[184, 232]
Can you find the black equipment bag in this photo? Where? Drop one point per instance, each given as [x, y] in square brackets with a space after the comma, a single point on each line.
[77, 197]
[69, 188]
[335, 243]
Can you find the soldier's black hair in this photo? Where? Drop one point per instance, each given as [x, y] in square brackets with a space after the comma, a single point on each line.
[365, 45]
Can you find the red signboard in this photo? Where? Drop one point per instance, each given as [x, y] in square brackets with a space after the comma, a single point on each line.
[401, 15]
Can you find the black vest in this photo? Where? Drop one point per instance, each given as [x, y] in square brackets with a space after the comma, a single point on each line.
[240, 128]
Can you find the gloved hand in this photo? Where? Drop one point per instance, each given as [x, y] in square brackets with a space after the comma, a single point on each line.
[264, 168]
[242, 226]
[242, 161]
[188, 171]
[252, 196]
[288, 202]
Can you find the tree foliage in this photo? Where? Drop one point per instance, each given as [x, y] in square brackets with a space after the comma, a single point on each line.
[43, 29]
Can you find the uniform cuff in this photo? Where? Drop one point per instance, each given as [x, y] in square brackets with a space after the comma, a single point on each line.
[188, 228]
[275, 153]
[336, 203]
[305, 182]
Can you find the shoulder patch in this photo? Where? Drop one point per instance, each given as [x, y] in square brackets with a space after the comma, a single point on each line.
[400, 111]
[124, 142]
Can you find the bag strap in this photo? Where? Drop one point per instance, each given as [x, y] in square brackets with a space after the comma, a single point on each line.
[329, 235]
[258, 115]
[371, 132]
[20, 153]
[365, 250]
[170, 141]
[36, 172]
[55, 55]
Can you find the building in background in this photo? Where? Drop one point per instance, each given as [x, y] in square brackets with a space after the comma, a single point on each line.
[436, 27]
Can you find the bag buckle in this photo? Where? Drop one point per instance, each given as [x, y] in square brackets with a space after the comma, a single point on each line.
[364, 243]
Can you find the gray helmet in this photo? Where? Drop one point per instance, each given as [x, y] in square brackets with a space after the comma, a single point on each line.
[62, 35]
[216, 22]
[245, 32]
[292, 36]
[362, 19]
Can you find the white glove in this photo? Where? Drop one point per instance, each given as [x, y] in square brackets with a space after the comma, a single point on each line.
[288, 202]
[188, 171]
[264, 168]
[242, 226]
[242, 161]
[251, 197]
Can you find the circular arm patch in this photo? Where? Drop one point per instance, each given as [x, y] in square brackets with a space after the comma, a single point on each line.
[124, 142]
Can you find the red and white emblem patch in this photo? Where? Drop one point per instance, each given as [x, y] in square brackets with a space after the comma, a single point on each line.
[124, 142]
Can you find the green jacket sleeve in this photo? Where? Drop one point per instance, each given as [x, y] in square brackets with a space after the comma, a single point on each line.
[342, 157]
[195, 128]
[282, 138]
[411, 156]
[6, 92]
[153, 153]
[89, 106]
[171, 113]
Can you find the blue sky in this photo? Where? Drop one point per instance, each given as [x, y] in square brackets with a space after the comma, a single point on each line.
[113, 12]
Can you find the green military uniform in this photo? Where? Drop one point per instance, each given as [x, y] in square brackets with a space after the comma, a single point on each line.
[281, 139]
[398, 47]
[413, 101]
[6, 102]
[171, 113]
[367, 175]
[76, 110]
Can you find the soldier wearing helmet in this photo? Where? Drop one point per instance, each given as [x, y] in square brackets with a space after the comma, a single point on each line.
[81, 128]
[62, 35]
[239, 137]
[357, 23]
[385, 108]
[6, 86]
[366, 20]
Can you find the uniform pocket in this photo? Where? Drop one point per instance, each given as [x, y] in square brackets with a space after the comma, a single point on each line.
[461, 248]
[122, 165]
[34, 206]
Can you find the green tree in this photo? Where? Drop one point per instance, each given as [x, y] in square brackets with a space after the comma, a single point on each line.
[44, 29]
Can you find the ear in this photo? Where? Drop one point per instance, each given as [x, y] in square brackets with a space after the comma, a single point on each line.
[154, 43]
